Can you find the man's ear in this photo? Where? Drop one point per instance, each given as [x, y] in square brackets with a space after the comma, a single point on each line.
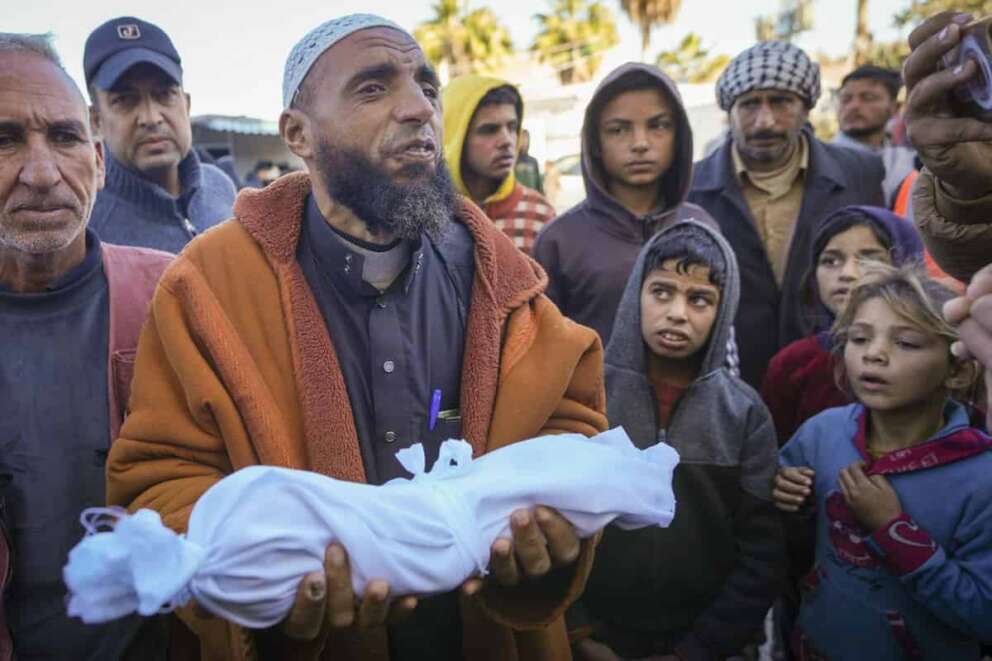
[294, 128]
[189, 102]
[95, 121]
[100, 164]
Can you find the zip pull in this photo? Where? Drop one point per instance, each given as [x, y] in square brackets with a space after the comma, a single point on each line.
[189, 227]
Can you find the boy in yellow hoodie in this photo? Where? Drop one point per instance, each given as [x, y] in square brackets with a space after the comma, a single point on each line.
[482, 122]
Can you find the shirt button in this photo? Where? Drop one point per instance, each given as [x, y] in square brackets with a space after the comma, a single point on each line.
[390, 436]
[389, 366]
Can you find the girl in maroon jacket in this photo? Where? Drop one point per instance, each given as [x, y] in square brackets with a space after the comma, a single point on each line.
[800, 380]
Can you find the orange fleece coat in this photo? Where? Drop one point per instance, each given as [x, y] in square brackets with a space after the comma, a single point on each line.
[235, 368]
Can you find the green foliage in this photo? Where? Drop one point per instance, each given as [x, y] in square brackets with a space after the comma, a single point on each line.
[648, 14]
[890, 55]
[573, 36]
[918, 10]
[689, 62]
[469, 40]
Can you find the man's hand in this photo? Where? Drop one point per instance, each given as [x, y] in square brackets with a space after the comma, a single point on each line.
[792, 487]
[542, 540]
[872, 499]
[329, 595]
[972, 314]
[957, 149]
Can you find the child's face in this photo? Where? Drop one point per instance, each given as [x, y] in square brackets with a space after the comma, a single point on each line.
[839, 265]
[892, 363]
[637, 132]
[678, 310]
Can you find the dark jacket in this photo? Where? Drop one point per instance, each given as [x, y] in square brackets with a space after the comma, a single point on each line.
[588, 251]
[133, 211]
[132, 274]
[769, 316]
[702, 586]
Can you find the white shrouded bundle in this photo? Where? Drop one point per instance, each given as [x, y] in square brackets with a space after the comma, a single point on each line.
[256, 533]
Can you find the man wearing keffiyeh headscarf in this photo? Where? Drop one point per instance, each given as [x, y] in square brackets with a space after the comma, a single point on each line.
[769, 183]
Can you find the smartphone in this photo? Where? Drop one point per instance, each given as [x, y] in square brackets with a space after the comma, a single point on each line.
[974, 97]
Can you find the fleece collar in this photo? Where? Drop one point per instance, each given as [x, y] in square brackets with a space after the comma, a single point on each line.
[504, 280]
[510, 277]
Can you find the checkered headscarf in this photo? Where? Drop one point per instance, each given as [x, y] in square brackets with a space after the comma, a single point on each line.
[769, 65]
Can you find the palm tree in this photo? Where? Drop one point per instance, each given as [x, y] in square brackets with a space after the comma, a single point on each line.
[689, 62]
[862, 35]
[573, 36]
[648, 14]
[461, 40]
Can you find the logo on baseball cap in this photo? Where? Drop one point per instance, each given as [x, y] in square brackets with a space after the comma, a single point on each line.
[123, 42]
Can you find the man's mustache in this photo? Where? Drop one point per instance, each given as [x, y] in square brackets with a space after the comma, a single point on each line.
[43, 203]
[766, 135]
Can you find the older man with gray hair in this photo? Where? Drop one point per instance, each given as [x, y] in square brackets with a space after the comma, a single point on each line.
[343, 314]
[70, 312]
[769, 184]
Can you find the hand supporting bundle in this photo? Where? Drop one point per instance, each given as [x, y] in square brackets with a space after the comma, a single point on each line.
[256, 533]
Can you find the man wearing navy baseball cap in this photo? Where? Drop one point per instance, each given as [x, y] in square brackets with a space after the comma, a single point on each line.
[158, 193]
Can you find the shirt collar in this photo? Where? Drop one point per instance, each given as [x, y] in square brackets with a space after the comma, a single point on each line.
[335, 257]
[92, 262]
[800, 156]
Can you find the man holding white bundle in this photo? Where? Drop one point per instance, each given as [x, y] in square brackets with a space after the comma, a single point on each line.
[346, 313]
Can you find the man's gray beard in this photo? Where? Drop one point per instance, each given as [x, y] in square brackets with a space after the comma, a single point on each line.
[426, 205]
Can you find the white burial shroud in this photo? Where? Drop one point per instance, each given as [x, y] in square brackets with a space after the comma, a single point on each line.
[256, 533]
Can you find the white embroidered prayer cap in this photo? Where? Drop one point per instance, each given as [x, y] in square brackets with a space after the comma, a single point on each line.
[317, 41]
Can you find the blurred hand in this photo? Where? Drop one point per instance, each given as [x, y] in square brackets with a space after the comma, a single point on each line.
[542, 540]
[972, 314]
[872, 500]
[329, 595]
[792, 487]
[957, 149]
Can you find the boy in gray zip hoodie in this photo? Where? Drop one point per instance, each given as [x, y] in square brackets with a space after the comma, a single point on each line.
[699, 589]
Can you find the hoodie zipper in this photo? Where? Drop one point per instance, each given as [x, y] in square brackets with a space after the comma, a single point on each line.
[663, 431]
[189, 227]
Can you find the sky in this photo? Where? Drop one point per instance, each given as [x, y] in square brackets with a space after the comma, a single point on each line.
[233, 51]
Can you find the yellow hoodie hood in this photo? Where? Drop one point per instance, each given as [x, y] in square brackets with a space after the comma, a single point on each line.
[460, 99]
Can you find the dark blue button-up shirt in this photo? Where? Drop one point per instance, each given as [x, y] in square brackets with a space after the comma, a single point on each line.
[396, 348]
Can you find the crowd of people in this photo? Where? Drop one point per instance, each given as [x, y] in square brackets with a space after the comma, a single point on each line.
[808, 323]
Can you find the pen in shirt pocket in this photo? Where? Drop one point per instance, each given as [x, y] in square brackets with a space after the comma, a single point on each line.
[435, 409]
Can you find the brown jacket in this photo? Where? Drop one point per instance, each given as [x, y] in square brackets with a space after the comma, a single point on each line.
[235, 368]
[957, 233]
